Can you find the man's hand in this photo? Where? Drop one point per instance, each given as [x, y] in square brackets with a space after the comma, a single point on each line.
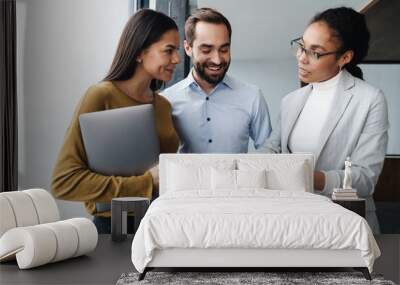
[319, 180]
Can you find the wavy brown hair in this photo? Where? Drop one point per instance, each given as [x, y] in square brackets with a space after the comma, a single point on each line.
[143, 29]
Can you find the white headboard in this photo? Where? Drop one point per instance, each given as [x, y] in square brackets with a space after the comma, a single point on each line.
[307, 158]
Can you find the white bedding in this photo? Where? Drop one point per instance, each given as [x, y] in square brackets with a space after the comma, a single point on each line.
[251, 218]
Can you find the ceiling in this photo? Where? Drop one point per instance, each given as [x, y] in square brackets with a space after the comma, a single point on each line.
[262, 29]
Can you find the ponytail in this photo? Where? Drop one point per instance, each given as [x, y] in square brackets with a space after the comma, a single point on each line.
[354, 70]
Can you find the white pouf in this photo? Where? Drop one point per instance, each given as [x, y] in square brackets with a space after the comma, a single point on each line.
[40, 244]
[30, 230]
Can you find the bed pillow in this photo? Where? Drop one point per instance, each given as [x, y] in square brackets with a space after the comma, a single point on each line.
[227, 179]
[251, 178]
[293, 179]
[223, 179]
[281, 174]
[189, 175]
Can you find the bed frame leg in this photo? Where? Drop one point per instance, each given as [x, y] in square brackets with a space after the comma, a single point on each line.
[364, 271]
[143, 274]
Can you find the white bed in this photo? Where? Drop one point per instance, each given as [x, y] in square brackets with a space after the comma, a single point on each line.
[221, 211]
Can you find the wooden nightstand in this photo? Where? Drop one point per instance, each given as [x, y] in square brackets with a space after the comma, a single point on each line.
[356, 205]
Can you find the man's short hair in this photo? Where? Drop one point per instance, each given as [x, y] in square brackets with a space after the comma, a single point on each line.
[207, 15]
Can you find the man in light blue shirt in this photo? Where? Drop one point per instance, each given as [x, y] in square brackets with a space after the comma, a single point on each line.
[213, 112]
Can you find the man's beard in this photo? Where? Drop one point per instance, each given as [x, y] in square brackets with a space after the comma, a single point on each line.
[214, 80]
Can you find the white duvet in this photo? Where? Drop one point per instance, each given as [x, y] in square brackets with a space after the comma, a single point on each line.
[250, 219]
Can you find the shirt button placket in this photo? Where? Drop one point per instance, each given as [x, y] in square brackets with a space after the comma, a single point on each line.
[208, 118]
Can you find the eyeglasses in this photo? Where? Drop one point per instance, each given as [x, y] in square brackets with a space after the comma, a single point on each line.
[298, 48]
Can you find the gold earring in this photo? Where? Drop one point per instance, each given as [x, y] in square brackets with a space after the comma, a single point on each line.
[139, 60]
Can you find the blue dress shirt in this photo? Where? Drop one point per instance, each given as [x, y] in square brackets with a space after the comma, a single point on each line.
[221, 122]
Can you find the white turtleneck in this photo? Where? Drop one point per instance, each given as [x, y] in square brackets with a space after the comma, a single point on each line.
[307, 130]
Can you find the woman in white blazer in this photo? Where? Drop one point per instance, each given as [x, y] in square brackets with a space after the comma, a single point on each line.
[337, 115]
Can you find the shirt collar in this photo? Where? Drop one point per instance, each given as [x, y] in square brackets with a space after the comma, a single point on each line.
[189, 80]
[228, 81]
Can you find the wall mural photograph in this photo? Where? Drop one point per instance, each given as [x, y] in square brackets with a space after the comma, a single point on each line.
[200, 141]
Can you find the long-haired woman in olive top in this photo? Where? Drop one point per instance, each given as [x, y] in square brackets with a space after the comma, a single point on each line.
[338, 114]
[146, 55]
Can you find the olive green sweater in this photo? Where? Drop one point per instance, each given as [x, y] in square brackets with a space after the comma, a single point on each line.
[73, 180]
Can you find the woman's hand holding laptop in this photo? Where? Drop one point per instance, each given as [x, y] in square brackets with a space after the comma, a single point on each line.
[154, 171]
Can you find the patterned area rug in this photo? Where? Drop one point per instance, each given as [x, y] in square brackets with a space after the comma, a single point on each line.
[243, 278]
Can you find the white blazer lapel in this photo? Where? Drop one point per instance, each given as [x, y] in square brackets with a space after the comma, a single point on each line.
[292, 114]
[341, 100]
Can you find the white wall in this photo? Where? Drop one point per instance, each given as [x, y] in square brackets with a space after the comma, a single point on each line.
[387, 78]
[64, 46]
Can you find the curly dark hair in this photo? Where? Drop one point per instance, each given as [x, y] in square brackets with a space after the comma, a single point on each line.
[351, 29]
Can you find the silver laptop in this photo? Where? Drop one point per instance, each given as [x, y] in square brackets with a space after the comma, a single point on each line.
[121, 142]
